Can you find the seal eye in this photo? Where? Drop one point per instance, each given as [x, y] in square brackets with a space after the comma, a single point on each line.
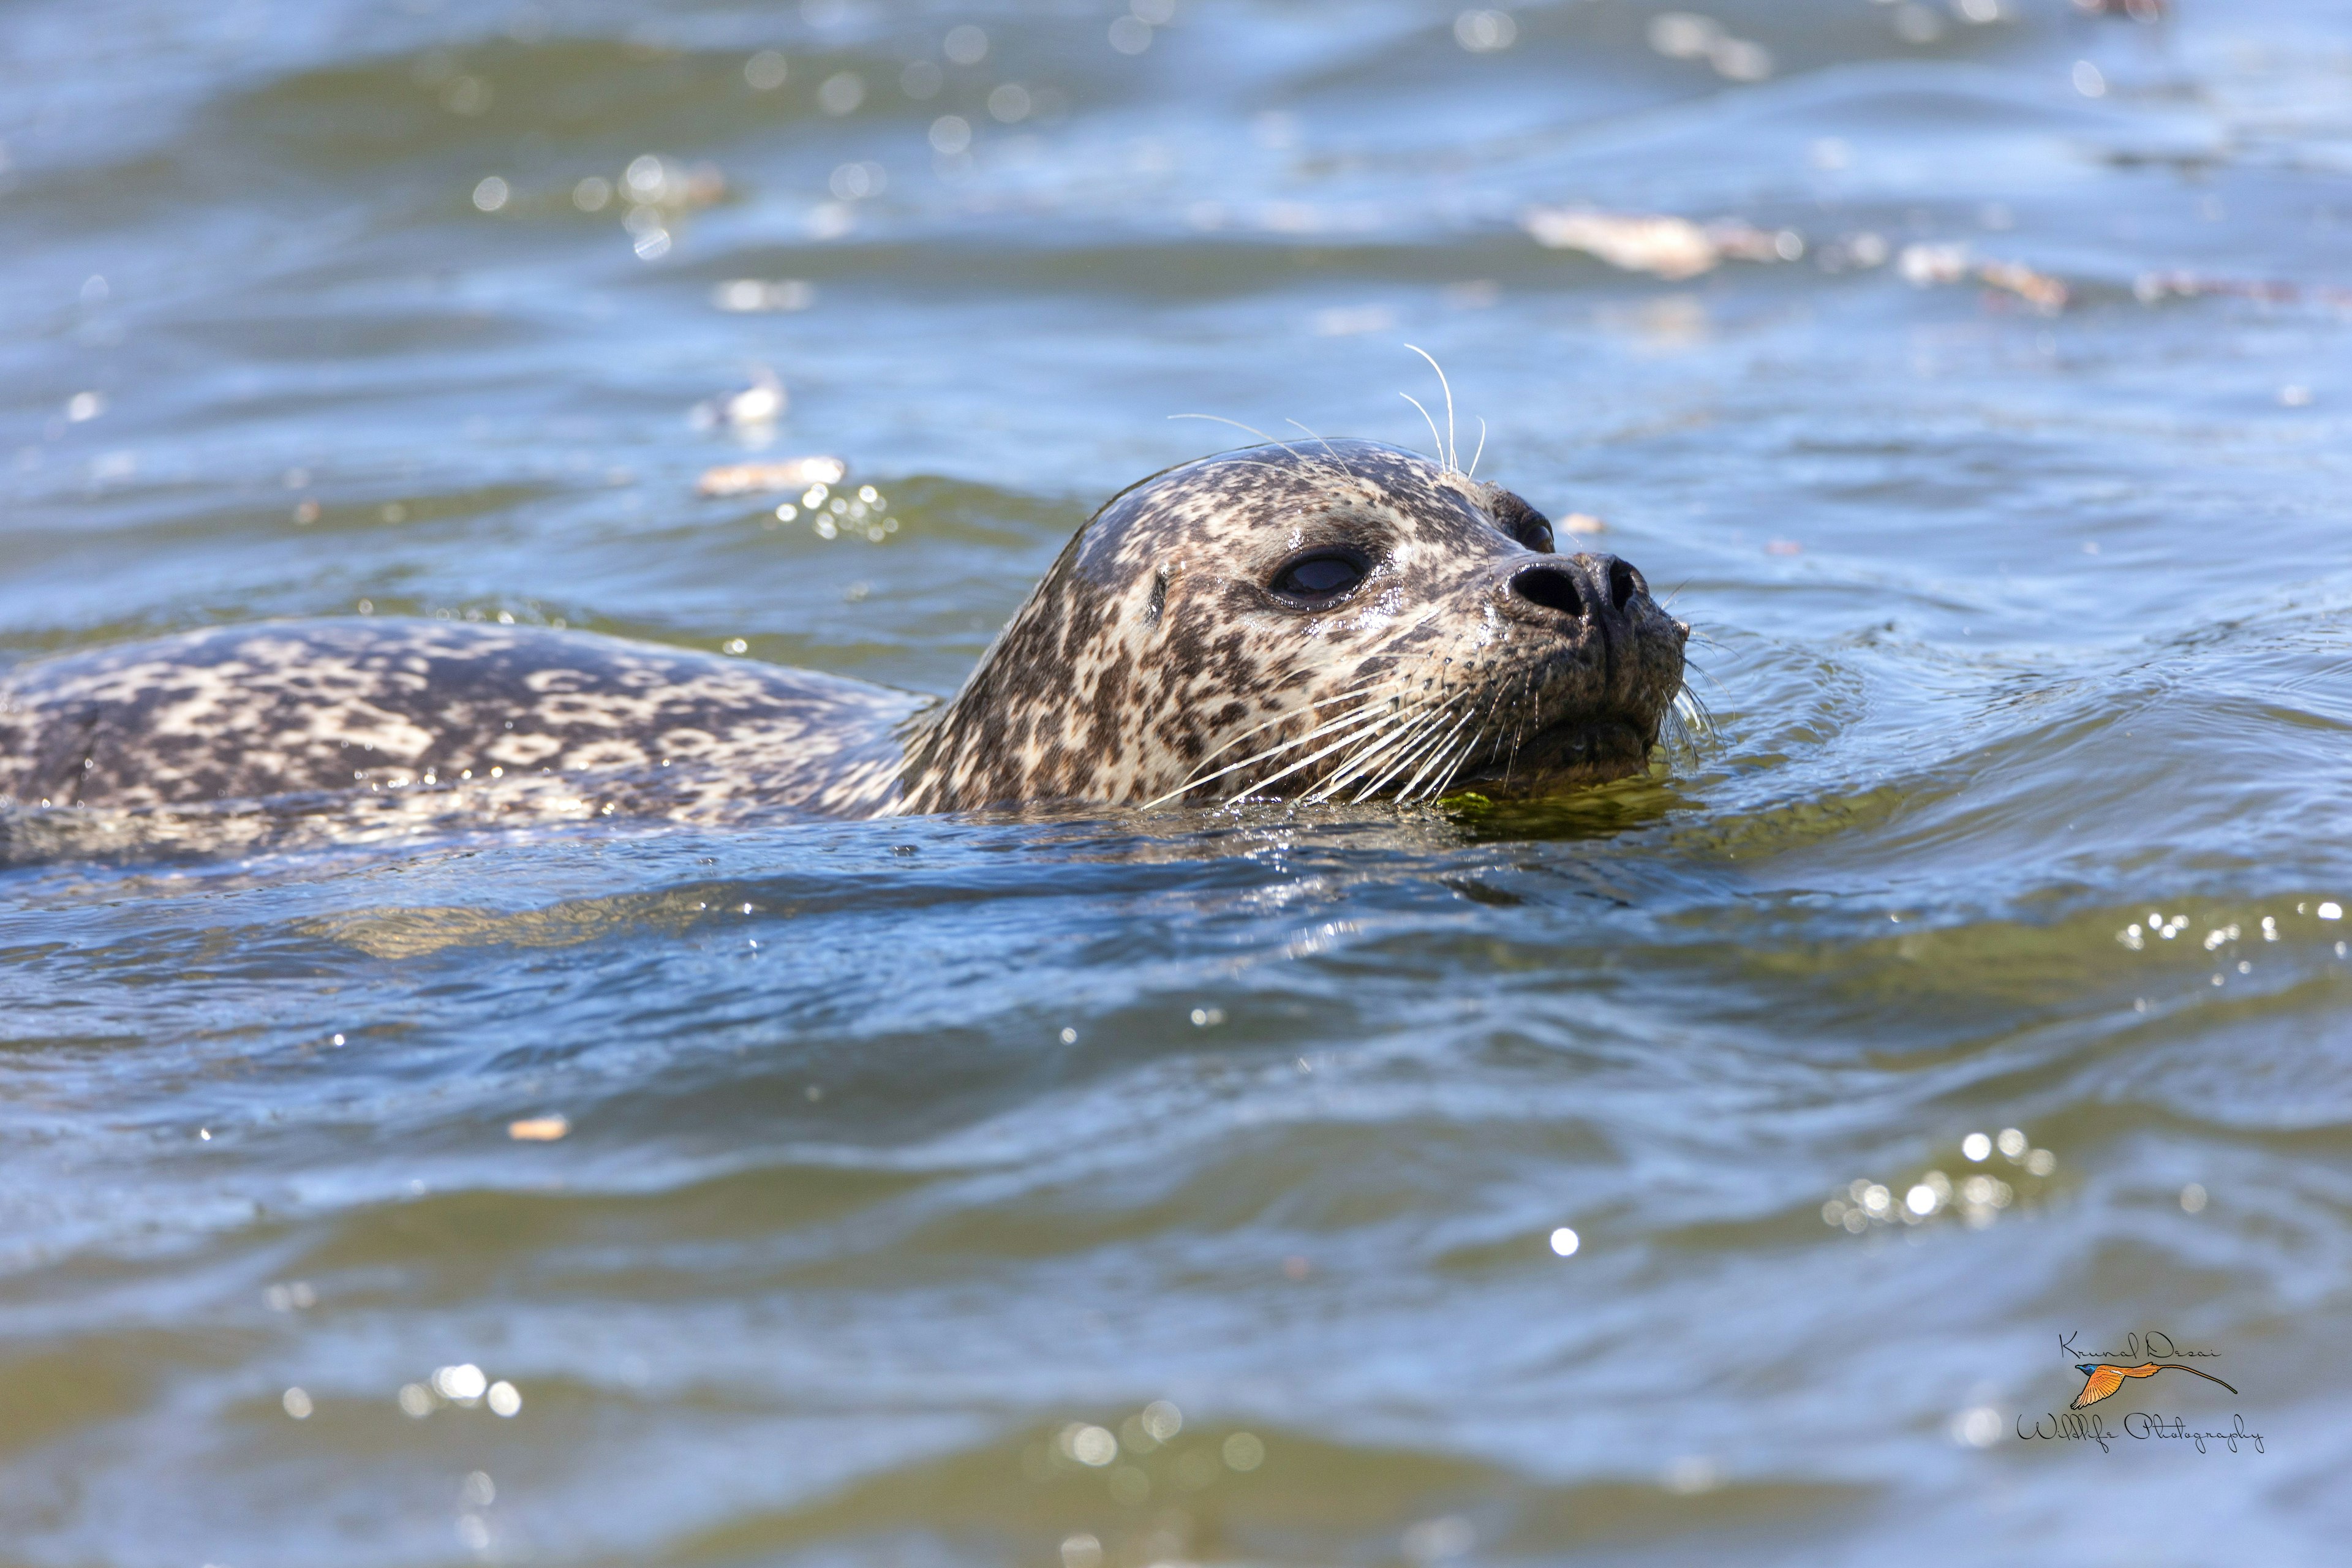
[1534, 533]
[1319, 578]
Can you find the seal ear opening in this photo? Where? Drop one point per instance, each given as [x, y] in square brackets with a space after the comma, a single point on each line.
[1159, 598]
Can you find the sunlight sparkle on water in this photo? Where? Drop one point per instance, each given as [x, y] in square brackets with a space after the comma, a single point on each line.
[1484, 32]
[1564, 1242]
[965, 44]
[841, 93]
[1092, 1446]
[1978, 1426]
[1691, 1475]
[461, 1384]
[766, 70]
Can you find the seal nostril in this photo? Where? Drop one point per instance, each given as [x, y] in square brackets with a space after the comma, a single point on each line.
[1550, 587]
[1624, 583]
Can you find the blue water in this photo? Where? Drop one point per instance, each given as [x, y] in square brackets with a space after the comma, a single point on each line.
[1124, 1189]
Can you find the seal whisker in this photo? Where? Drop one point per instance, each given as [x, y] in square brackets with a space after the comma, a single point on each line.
[1405, 791]
[1527, 716]
[1439, 441]
[1446, 774]
[1410, 751]
[1691, 667]
[1236, 424]
[1269, 440]
[1479, 453]
[1690, 715]
[1370, 712]
[1372, 745]
[1333, 467]
[1375, 748]
[1311, 760]
[1367, 755]
[1354, 718]
[1288, 714]
[1451, 452]
[1318, 435]
[1444, 779]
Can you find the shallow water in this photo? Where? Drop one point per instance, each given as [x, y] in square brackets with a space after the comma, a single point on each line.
[900, 1155]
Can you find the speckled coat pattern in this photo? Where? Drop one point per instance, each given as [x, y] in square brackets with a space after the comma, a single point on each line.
[1156, 661]
[366, 727]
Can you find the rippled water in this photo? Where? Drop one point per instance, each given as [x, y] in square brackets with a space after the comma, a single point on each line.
[906, 1164]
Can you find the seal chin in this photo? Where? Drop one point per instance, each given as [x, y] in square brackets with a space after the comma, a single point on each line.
[1567, 755]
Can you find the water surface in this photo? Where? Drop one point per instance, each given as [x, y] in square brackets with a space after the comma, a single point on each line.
[1192, 1187]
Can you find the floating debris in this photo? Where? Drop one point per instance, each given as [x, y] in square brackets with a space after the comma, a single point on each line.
[1344, 321]
[2154, 288]
[2039, 289]
[748, 295]
[1665, 246]
[755, 408]
[1926, 266]
[753, 478]
[538, 1129]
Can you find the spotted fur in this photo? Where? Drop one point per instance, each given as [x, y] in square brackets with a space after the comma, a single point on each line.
[366, 728]
[1154, 662]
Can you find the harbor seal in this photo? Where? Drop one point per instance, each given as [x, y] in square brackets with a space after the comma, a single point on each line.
[1330, 619]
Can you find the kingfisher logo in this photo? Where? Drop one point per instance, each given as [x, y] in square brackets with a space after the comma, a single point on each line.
[2101, 1379]
[2105, 1372]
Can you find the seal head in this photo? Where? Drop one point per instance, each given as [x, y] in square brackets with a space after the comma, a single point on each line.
[1330, 619]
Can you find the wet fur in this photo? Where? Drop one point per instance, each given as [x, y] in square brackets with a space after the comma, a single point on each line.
[1151, 663]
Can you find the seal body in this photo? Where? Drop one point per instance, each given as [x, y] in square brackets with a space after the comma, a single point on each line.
[1327, 619]
[381, 725]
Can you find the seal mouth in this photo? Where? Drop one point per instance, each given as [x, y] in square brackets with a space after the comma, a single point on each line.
[1588, 750]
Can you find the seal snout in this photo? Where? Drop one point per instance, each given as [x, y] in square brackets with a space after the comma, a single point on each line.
[1551, 587]
[1579, 586]
[1610, 678]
